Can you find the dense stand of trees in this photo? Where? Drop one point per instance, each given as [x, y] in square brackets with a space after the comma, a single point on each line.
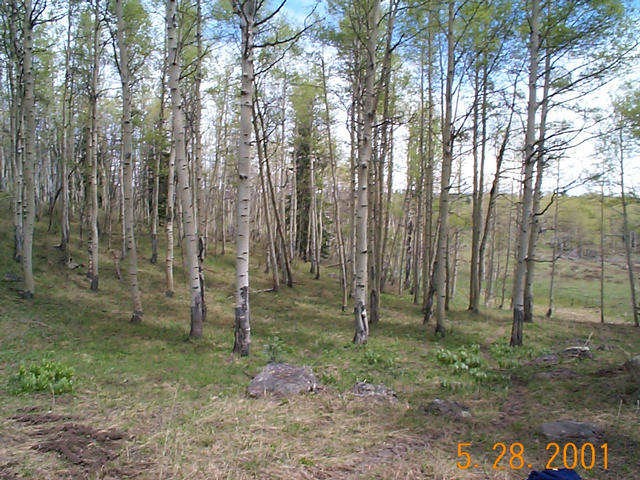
[390, 140]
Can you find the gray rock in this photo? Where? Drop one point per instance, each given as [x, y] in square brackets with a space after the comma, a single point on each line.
[580, 352]
[633, 367]
[282, 380]
[564, 429]
[556, 374]
[375, 392]
[449, 408]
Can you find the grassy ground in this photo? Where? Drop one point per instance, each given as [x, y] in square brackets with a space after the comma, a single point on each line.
[183, 410]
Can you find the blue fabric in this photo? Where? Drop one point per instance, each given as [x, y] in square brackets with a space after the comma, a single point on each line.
[562, 474]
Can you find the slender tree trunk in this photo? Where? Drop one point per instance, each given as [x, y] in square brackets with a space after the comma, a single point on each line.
[537, 194]
[627, 236]
[554, 259]
[261, 145]
[29, 157]
[313, 217]
[336, 205]
[476, 217]
[364, 157]
[169, 219]
[508, 255]
[279, 227]
[159, 152]
[223, 208]
[92, 156]
[186, 198]
[354, 135]
[493, 269]
[445, 181]
[246, 10]
[520, 273]
[199, 184]
[128, 167]
[66, 143]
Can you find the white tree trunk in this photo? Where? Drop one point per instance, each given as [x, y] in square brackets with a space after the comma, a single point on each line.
[364, 157]
[520, 273]
[246, 10]
[92, 155]
[127, 159]
[184, 190]
[29, 161]
[445, 183]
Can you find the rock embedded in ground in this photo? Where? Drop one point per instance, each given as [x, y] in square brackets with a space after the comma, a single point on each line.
[282, 380]
[449, 408]
[633, 367]
[551, 359]
[375, 392]
[556, 374]
[564, 429]
[580, 352]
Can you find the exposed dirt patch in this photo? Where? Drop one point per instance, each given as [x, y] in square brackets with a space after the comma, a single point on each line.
[86, 449]
[80, 444]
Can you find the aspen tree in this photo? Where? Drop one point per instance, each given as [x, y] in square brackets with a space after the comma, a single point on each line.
[246, 10]
[128, 161]
[29, 157]
[364, 157]
[184, 189]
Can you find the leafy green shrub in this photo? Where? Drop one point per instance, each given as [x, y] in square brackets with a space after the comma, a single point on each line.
[44, 376]
[465, 355]
[466, 361]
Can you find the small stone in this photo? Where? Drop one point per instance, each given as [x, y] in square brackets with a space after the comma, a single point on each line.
[564, 429]
[282, 380]
[556, 374]
[449, 408]
[606, 347]
[375, 392]
[633, 367]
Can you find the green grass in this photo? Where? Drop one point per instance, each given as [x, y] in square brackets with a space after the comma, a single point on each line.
[184, 402]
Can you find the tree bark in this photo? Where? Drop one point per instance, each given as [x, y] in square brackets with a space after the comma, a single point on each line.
[554, 258]
[336, 205]
[445, 180]
[66, 144]
[184, 189]
[29, 157]
[520, 273]
[92, 156]
[247, 11]
[537, 194]
[169, 220]
[364, 157]
[627, 236]
[261, 145]
[128, 163]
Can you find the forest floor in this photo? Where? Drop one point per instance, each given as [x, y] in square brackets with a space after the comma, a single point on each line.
[148, 403]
